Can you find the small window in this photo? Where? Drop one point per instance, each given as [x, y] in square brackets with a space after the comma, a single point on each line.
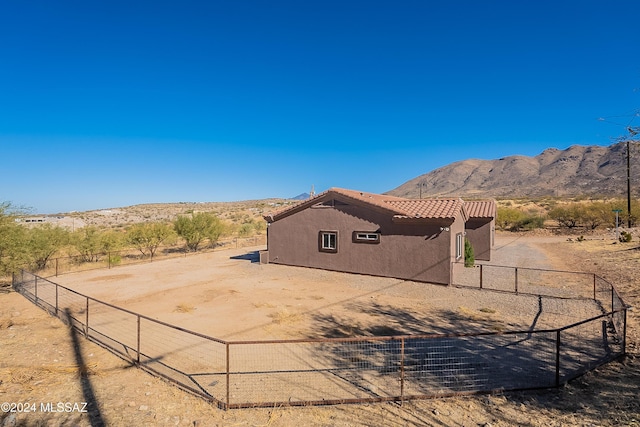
[328, 241]
[459, 245]
[366, 237]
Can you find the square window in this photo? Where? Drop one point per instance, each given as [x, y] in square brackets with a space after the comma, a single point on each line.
[328, 241]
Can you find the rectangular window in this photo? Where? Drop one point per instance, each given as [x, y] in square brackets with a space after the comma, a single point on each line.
[459, 243]
[328, 241]
[366, 237]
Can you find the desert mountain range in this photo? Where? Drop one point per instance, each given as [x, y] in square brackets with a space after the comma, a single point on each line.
[576, 171]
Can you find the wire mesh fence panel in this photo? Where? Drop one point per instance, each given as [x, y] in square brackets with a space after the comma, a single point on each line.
[114, 328]
[499, 278]
[72, 303]
[555, 283]
[46, 295]
[559, 312]
[26, 283]
[454, 365]
[605, 294]
[586, 346]
[291, 372]
[190, 359]
[469, 277]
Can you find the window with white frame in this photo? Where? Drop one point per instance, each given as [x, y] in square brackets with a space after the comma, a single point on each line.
[459, 245]
[366, 237]
[328, 241]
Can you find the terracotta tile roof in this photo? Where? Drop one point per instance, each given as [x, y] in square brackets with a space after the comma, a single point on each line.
[396, 206]
[428, 208]
[481, 208]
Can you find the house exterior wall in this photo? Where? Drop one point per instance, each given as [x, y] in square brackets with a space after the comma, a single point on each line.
[418, 251]
[480, 232]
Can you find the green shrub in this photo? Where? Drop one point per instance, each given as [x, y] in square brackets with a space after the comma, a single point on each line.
[469, 256]
[625, 237]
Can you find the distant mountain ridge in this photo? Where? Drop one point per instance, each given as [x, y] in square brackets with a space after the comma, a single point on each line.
[576, 171]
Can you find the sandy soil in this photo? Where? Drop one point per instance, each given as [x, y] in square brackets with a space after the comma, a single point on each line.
[39, 362]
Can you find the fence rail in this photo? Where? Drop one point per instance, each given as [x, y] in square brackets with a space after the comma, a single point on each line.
[239, 374]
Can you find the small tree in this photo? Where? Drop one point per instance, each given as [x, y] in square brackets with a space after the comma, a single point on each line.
[197, 228]
[13, 250]
[469, 256]
[43, 242]
[88, 242]
[147, 237]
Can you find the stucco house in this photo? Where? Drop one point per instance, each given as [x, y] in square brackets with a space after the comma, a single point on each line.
[375, 234]
[480, 228]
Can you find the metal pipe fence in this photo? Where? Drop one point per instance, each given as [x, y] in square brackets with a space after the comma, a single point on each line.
[239, 374]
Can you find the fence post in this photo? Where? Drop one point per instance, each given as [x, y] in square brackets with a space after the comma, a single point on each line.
[516, 279]
[401, 371]
[624, 332]
[36, 288]
[109, 260]
[558, 358]
[228, 379]
[613, 295]
[57, 286]
[56, 267]
[594, 286]
[138, 343]
[86, 319]
[480, 276]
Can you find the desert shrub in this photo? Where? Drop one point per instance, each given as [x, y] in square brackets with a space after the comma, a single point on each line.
[507, 217]
[528, 222]
[625, 237]
[245, 230]
[115, 259]
[568, 216]
[86, 242]
[469, 256]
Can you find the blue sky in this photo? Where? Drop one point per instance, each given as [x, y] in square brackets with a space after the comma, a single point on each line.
[108, 104]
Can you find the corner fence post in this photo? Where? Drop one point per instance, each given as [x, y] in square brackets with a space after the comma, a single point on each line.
[36, 288]
[516, 279]
[558, 358]
[481, 276]
[57, 267]
[57, 286]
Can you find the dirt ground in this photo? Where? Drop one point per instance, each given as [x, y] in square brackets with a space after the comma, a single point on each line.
[40, 356]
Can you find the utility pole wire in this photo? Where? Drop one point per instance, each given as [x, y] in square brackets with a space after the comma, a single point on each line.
[633, 131]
